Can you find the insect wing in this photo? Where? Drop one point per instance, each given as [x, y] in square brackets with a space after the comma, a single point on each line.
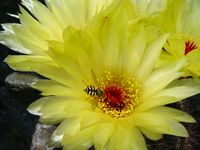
[94, 77]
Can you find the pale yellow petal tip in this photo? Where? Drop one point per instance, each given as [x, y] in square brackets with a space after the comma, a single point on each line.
[150, 134]
[183, 134]
[181, 131]
[11, 60]
[7, 59]
[55, 140]
[185, 118]
[34, 111]
[35, 108]
[191, 119]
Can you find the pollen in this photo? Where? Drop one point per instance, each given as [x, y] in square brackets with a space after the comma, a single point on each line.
[189, 46]
[120, 94]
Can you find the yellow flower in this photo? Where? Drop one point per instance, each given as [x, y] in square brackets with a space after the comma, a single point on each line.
[181, 20]
[106, 91]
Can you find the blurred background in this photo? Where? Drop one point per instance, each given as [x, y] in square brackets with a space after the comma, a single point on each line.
[17, 125]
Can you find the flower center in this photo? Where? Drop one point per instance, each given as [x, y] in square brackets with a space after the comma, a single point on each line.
[114, 95]
[120, 94]
[189, 46]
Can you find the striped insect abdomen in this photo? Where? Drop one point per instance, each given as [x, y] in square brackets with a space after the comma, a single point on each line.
[91, 90]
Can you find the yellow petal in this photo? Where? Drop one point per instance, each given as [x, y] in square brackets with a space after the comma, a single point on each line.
[180, 92]
[159, 124]
[133, 53]
[44, 15]
[156, 101]
[83, 140]
[54, 109]
[40, 64]
[10, 40]
[68, 127]
[151, 134]
[35, 43]
[173, 113]
[146, 7]
[51, 109]
[76, 13]
[111, 32]
[102, 135]
[90, 118]
[150, 57]
[74, 57]
[49, 88]
[126, 136]
[160, 78]
[34, 26]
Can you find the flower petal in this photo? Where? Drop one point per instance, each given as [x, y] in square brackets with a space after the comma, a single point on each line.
[150, 57]
[102, 135]
[73, 57]
[40, 64]
[10, 40]
[45, 17]
[68, 127]
[126, 136]
[82, 140]
[54, 109]
[34, 26]
[175, 114]
[160, 78]
[54, 88]
[90, 118]
[131, 56]
[76, 13]
[180, 92]
[50, 109]
[159, 124]
[149, 7]
[156, 101]
[175, 92]
[111, 32]
[151, 134]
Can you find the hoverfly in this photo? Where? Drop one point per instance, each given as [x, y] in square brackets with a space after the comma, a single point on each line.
[91, 89]
[94, 91]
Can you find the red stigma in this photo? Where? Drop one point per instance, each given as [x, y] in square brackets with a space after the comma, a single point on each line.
[189, 46]
[114, 95]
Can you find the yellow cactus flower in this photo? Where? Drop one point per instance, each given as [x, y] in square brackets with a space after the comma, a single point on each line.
[103, 87]
[181, 19]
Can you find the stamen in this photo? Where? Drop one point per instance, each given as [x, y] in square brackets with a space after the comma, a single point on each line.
[189, 46]
[120, 94]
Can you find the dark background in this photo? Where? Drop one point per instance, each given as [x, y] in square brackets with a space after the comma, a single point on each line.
[17, 125]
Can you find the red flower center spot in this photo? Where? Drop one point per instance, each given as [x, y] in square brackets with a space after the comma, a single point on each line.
[189, 46]
[114, 95]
